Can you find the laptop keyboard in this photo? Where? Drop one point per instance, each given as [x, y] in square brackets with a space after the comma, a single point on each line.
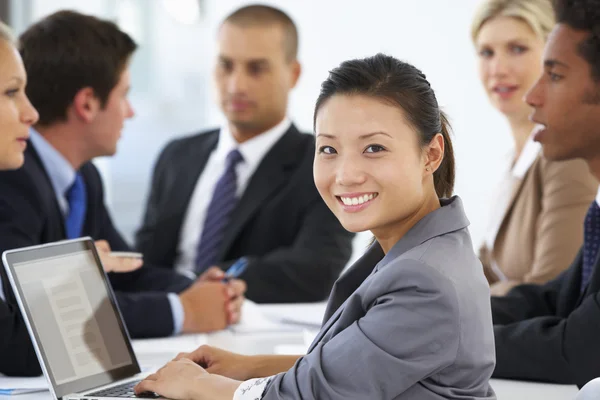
[125, 390]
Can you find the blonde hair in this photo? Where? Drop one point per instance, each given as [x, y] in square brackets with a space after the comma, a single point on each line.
[538, 14]
[6, 33]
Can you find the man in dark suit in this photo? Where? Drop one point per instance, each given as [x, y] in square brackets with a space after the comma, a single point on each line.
[552, 332]
[246, 190]
[78, 80]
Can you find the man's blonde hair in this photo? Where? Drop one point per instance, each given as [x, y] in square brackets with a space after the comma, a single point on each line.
[538, 14]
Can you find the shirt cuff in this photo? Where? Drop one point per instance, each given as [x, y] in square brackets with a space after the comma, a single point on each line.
[252, 389]
[177, 311]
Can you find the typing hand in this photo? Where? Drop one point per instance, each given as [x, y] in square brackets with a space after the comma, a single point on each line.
[221, 362]
[205, 307]
[116, 264]
[184, 379]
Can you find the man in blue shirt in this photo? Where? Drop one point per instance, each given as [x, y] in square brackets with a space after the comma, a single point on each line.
[78, 74]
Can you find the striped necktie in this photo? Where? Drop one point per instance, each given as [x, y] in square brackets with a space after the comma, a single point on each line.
[218, 214]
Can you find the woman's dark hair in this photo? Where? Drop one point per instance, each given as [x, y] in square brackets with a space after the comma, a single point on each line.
[398, 83]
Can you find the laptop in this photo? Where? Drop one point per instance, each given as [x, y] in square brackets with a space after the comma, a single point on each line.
[73, 320]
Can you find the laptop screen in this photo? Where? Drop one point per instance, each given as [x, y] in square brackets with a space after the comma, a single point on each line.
[72, 314]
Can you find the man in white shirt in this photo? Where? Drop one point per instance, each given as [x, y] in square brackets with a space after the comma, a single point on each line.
[246, 190]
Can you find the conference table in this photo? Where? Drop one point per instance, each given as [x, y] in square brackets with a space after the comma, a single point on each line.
[288, 329]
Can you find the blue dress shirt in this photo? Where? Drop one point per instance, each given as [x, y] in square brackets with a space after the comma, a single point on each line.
[62, 176]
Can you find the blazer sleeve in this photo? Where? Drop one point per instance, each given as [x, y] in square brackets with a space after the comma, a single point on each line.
[568, 191]
[145, 234]
[366, 360]
[147, 278]
[528, 301]
[305, 271]
[551, 348]
[17, 356]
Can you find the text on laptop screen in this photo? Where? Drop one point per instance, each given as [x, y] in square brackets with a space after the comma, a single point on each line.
[72, 316]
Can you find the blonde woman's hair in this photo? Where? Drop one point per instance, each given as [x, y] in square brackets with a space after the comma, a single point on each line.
[6, 33]
[538, 14]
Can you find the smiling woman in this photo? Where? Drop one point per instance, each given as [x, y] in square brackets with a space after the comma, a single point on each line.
[16, 112]
[522, 243]
[411, 319]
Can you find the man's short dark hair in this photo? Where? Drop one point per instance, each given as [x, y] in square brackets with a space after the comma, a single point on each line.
[68, 51]
[261, 15]
[583, 15]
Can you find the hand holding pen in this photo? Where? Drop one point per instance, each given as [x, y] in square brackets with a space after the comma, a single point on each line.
[216, 274]
[234, 288]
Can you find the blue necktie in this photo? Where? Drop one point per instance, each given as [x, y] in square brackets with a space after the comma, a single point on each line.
[218, 213]
[76, 197]
[591, 243]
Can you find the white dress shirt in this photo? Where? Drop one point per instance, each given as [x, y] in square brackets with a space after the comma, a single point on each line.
[504, 194]
[253, 151]
[598, 197]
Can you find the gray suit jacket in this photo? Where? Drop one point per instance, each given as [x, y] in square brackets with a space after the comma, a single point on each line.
[413, 324]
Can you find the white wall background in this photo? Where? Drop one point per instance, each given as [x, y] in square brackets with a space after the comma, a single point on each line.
[173, 93]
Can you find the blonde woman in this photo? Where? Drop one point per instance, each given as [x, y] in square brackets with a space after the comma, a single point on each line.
[535, 225]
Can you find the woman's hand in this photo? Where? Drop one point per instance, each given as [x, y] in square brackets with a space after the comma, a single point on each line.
[221, 362]
[184, 379]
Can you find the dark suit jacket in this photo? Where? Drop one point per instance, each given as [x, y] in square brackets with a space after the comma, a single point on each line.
[296, 246]
[550, 333]
[30, 215]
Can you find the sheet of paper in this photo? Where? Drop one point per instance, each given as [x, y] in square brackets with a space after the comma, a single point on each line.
[176, 344]
[307, 315]
[153, 353]
[253, 320]
[12, 386]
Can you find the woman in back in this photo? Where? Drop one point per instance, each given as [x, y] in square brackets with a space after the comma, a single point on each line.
[535, 225]
[411, 319]
[16, 112]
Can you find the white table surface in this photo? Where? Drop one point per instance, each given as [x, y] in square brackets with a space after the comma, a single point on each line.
[155, 352]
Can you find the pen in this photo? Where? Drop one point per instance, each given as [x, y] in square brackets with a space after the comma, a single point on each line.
[236, 269]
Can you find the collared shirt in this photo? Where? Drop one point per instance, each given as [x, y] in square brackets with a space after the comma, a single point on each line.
[62, 176]
[61, 173]
[528, 155]
[253, 151]
[598, 197]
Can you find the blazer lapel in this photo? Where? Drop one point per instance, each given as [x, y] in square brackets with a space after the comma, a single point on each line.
[448, 218]
[192, 164]
[352, 279]
[594, 284]
[268, 177]
[516, 185]
[346, 285]
[46, 189]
